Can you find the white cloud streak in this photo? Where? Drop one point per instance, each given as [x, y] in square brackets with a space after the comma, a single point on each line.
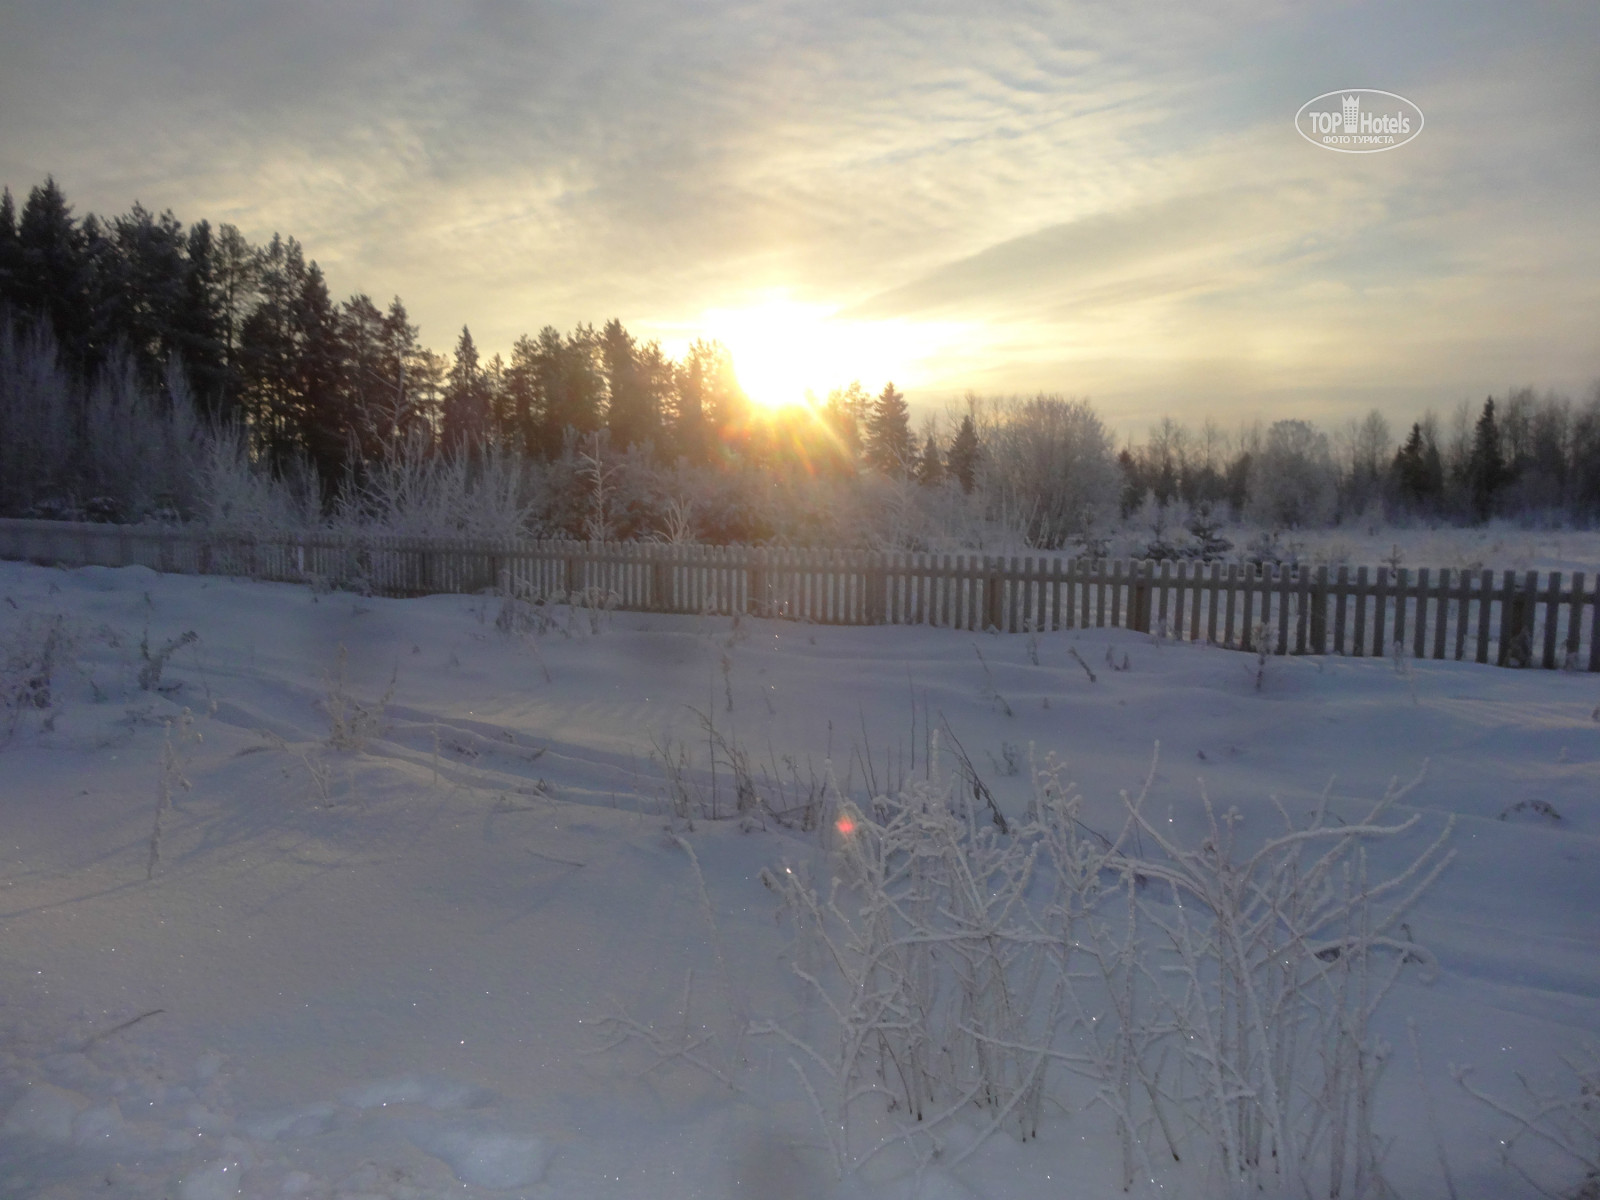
[1116, 201]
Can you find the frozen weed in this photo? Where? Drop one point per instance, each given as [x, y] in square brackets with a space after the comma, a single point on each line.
[1215, 998]
[1402, 668]
[988, 691]
[350, 722]
[154, 664]
[32, 655]
[180, 737]
[1010, 760]
[524, 609]
[1564, 1117]
[735, 785]
[1261, 639]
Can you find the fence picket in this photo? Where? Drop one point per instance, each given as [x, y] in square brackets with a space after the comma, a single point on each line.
[1552, 618]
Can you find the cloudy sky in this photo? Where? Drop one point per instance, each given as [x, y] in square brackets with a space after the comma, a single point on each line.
[1105, 200]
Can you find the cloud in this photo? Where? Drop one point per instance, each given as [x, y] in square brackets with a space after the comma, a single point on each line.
[1093, 193]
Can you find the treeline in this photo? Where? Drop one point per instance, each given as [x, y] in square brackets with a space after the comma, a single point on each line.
[153, 370]
[1524, 455]
[264, 346]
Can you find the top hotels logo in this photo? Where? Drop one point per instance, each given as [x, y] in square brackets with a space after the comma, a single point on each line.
[1358, 121]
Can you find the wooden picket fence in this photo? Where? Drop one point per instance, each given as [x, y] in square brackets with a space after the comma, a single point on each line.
[1507, 619]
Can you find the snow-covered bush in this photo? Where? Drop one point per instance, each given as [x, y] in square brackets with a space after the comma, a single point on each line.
[140, 451]
[414, 491]
[114, 451]
[35, 421]
[1268, 966]
[238, 498]
[943, 987]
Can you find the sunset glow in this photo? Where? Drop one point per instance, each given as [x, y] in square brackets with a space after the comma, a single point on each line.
[1105, 202]
[782, 349]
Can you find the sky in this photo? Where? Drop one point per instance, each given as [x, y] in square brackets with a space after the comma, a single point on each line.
[1093, 199]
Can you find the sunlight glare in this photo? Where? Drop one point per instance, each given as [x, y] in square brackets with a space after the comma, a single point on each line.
[783, 349]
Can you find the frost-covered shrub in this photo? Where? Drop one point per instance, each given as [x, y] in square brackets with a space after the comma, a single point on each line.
[413, 490]
[35, 422]
[943, 988]
[236, 497]
[1214, 997]
[115, 451]
[140, 451]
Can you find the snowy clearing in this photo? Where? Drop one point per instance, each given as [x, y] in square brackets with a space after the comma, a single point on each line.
[351, 899]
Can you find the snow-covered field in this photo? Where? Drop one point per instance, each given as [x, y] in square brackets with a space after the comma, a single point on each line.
[391, 967]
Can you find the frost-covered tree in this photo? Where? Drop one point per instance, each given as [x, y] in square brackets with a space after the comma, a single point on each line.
[1048, 470]
[1367, 451]
[1292, 479]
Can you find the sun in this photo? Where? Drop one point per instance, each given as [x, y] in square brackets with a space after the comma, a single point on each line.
[783, 349]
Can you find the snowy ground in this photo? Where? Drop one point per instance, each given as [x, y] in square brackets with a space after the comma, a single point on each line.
[385, 970]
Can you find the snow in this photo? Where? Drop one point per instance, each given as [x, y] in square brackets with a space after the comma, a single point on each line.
[387, 971]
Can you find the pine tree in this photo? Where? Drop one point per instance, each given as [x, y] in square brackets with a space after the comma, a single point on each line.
[930, 467]
[964, 453]
[51, 281]
[654, 376]
[568, 385]
[403, 416]
[631, 415]
[325, 422]
[843, 415]
[10, 249]
[1486, 465]
[889, 445]
[236, 276]
[1418, 471]
[140, 287]
[524, 397]
[368, 391]
[197, 327]
[267, 353]
[713, 411]
[466, 417]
